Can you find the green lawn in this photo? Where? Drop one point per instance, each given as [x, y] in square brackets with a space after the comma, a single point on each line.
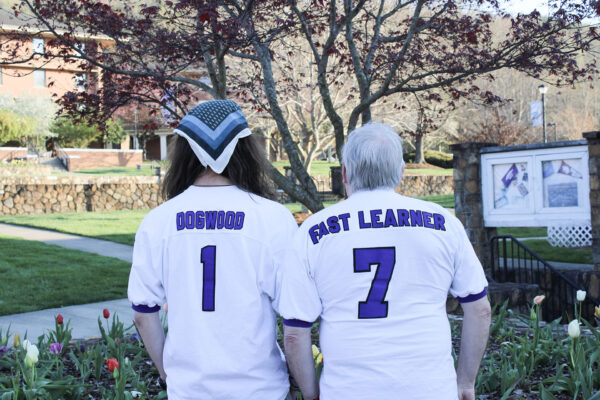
[318, 167]
[323, 168]
[116, 226]
[36, 276]
[444, 200]
[119, 171]
[569, 255]
[523, 232]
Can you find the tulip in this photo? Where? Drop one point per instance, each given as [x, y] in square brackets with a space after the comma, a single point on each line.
[597, 312]
[59, 319]
[581, 295]
[538, 299]
[106, 313]
[26, 344]
[32, 355]
[112, 364]
[3, 349]
[573, 329]
[17, 340]
[56, 348]
[317, 356]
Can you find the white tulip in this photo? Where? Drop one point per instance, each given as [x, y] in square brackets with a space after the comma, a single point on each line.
[581, 295]
[573, 329]
[26, 344]
[32, 355]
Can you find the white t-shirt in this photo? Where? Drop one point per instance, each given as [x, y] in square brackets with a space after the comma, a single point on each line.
[214, 254]
[377, 269]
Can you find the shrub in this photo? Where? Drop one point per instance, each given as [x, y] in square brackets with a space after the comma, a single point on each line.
[437, 158]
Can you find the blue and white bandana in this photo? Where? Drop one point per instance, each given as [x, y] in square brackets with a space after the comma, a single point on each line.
[212, 129]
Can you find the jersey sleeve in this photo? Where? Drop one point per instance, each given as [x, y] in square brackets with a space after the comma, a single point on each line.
[469, 282]
[298, 302]
[282, 228]
[145, 290]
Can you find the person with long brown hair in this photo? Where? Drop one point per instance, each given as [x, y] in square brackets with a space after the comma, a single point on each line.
[214, 252]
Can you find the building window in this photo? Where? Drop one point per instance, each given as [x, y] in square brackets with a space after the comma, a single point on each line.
[38, 46]
[80, 81]
[39, 77]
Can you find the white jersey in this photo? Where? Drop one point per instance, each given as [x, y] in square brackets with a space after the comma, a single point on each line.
[214, 254]
[377, 269]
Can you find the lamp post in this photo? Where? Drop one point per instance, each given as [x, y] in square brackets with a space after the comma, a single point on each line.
[553, 124]
[543, 89]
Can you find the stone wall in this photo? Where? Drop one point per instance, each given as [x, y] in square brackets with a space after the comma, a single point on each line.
[77, 159]
[58, 194]
[593, 139]
[33, 195]
[426, 185]
[467, 197]
[8, 153]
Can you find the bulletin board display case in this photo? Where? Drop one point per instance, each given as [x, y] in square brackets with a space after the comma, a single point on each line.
[536, 187]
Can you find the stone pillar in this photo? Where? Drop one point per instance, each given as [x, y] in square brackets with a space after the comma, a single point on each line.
[468, 201]
[593, 139]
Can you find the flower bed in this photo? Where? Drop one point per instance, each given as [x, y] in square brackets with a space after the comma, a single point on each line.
[525, 359]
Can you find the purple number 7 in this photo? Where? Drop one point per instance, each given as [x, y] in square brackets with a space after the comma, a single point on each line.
[385, 259]
[208, 256]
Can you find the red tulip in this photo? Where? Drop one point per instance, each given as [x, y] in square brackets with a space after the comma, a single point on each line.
[59, 319]
[106, 313]
[112, 364]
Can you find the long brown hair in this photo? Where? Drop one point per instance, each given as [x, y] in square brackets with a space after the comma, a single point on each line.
[247, 168]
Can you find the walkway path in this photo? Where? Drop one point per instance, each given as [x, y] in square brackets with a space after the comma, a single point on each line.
[97, 246]
[84, 318]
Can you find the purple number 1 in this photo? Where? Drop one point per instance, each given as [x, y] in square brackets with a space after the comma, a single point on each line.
[385, 259]
[208, 256]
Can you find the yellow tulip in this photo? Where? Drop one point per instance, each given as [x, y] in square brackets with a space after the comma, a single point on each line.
[317, 356]
[597, 312]
[17, 340]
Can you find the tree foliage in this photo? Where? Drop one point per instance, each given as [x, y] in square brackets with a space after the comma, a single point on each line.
[169, 52]
[79, 133]
[13, 126]
[27, 117]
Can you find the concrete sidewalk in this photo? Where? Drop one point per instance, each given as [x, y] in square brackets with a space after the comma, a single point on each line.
[84, 318]
[97, 246]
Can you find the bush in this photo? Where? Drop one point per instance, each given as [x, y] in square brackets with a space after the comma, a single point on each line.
[437, 158]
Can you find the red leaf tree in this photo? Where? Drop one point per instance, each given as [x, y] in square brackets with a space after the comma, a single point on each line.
[388, 50]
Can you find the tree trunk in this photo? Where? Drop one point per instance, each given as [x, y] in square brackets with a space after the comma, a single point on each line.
[419, 154]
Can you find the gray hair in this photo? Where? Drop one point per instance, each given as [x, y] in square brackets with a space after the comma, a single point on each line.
[373, 157]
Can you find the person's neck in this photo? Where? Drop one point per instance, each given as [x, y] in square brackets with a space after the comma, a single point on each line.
[210, 178]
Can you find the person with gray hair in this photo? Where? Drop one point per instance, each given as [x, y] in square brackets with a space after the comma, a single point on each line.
[377, 269]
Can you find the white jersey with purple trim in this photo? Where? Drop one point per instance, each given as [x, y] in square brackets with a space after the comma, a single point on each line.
[377, 269]
[214, 254]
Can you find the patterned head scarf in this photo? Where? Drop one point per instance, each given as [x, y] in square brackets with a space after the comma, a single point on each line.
[212, 129]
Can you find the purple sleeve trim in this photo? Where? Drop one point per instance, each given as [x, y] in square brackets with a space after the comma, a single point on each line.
[145, 309]
[297, 323]
[473, 297]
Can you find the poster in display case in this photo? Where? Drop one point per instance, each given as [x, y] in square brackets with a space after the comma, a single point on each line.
[535, 186]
